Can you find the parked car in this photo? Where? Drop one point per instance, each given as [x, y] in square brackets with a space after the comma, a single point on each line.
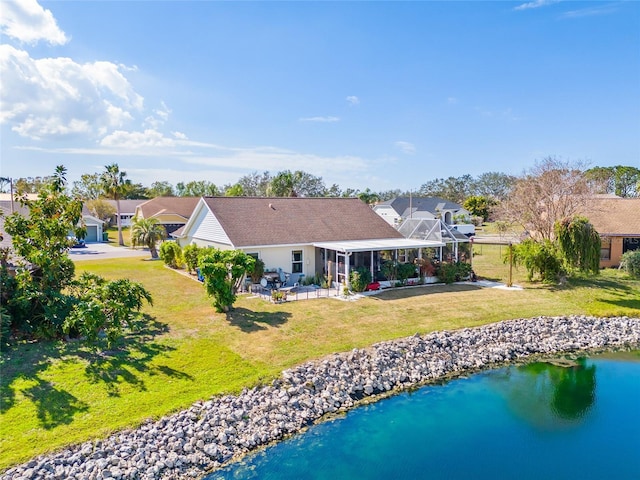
[76, 242]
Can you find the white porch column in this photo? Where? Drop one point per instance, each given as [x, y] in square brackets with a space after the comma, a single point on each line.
[371, 267]
[347, 257]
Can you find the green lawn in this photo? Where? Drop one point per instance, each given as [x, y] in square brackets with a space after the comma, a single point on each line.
[57, 393]
[113, 235]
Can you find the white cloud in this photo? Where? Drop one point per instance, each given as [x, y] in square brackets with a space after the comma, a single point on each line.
[137, 140]
[406, 147]
[327, 119]
[275, 159]
[591, 11]
[353, 100]
[28, 22]
[52, 97]
[179, 135]
[535, 4]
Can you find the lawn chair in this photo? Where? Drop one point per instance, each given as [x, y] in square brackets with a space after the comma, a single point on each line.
[292, 282]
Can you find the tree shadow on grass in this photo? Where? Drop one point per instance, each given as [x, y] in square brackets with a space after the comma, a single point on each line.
[595, 281]
[54, 406]
[626, 302]
[133, 356]
[419, 291]
[250, 321]
[27, 363]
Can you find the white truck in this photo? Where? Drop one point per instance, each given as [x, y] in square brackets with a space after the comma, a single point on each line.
[467, 229]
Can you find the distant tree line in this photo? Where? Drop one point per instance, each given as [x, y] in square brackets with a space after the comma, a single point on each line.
[623, 181]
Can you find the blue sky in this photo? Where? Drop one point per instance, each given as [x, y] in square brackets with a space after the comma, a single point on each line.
[382, 95]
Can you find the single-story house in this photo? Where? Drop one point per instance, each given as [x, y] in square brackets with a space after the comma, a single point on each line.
[617, 220]
[93, 225]
[399, 209]
[127, 211]
[7, 209]
[315, 237]
[171, 212]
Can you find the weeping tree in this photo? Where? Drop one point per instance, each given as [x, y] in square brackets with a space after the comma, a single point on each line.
[579, 244]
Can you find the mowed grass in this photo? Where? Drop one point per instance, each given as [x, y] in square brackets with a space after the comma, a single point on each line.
[57, 393]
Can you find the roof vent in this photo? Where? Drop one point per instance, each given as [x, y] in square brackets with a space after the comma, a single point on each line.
[271, 206]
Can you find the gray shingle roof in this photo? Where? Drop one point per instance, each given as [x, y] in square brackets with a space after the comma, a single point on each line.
[252, 221]
[420, 204]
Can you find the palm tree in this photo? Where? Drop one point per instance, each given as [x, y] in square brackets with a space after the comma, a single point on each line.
[114, 183]
[147, 232]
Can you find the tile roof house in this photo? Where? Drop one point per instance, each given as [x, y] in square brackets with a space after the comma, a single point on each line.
[309, 236]
[617, 220]
[399, 209]
[171, 212]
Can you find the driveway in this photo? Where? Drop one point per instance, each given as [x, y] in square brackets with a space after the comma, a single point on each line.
[100, 251]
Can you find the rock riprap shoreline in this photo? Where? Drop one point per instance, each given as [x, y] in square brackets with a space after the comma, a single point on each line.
[209, 434]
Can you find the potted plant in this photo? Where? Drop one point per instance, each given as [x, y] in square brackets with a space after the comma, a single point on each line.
[278, 296]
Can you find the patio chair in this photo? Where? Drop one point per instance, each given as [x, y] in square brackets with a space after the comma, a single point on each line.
[292, 282]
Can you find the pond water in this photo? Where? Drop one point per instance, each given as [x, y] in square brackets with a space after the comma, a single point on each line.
[541, 420]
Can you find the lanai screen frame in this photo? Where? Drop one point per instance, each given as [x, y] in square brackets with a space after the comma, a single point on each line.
[348, 247]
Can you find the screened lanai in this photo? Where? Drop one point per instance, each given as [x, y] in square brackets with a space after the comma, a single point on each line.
[340, 257]
[455, 245]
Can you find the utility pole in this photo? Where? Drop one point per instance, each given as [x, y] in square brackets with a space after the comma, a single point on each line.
[510, 282]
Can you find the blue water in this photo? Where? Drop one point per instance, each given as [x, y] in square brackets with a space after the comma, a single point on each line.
[537, 421]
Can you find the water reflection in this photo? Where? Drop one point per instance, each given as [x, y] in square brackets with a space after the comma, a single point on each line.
[536, 419]
[550, 395]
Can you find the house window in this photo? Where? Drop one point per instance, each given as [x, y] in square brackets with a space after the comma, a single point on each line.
[605, 248]
[296, 261]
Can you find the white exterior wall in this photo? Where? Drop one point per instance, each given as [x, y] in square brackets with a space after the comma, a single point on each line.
[126, 219]
[93, 222]
[387, 213]
[280, 257]
[206, 231]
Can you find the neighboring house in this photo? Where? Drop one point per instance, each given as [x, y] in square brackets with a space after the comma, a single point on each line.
[171, 212]
[5, 211]
[127, 211]
[309, 236]
[617, 220]
[93, 225]
[396, 211]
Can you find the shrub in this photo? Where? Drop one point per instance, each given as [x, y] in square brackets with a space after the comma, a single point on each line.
[190, 254]
[223, 271]
[171, 254]
[447, 272]
[105, 307]
[5, 327]
[453, 272]
[390, 270]
[258, 271]
[630, 263]
[406, 270]
[359, 279]
[540, 258]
